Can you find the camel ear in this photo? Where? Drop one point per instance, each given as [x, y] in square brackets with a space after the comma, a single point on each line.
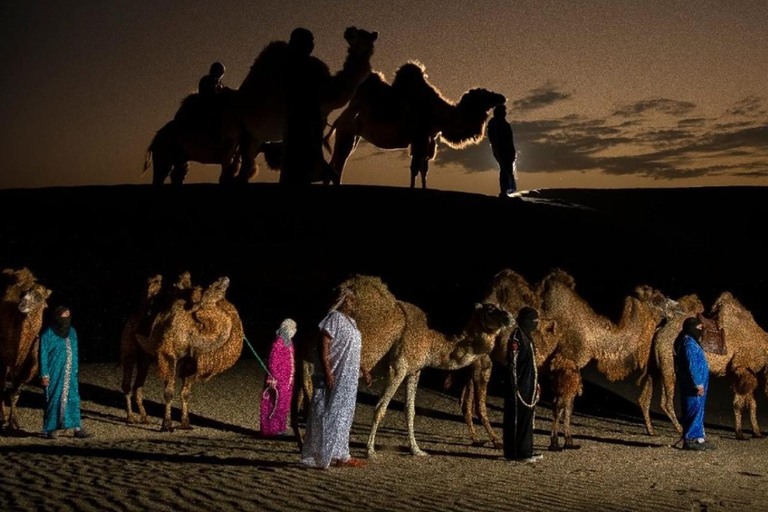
[47, 293]
[374, 35]
[350, 33]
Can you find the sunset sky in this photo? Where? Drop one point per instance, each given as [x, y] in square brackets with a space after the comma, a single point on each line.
[600, 93]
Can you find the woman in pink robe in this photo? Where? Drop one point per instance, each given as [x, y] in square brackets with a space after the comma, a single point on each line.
[278, 387]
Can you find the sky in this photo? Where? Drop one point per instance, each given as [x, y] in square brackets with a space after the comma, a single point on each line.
[600, 94]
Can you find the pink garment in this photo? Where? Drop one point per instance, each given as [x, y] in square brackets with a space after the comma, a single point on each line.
[277, 405]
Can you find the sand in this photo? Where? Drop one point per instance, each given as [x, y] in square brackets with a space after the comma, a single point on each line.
[222, 465]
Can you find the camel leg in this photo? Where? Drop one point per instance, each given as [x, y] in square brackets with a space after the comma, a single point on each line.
[142, 370]
[342, 148]
[13, 420]
[482, 411]
[468, 407]
[557, 411]
[186, 391]
[3, 396]
[166, 368]
[410, 409]
[569, 445]
[753, 417]
[179, 172]
[126, 388]
[668, 401]
[395, 378]
[739, 402]
[646, 393]
[162, 166]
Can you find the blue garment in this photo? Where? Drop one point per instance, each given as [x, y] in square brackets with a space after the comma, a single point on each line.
[58, 362]
[691, 370]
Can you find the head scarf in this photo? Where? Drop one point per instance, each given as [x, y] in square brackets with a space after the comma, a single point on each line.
[287, 331]
[60, 324]
[692, 328]
[527, 319]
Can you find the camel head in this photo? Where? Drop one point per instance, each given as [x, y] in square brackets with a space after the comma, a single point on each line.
[184, 281]
[468, 127]
[360, 42]
[490, 319]
[481, 100]
[663, 305]
[154, 285]
[34, 299]
[216, 292]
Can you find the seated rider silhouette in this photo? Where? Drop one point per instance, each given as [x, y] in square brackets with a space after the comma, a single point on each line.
[210, 84]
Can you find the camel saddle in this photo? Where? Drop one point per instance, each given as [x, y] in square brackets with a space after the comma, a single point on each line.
[712, 336]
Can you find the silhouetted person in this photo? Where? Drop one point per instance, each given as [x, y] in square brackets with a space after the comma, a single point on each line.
[210, 84]
[306, 78]
[522, 391]
[503, 146]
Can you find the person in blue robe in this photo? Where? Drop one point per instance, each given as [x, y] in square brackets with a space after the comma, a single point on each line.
[58, 374]
[692, 375]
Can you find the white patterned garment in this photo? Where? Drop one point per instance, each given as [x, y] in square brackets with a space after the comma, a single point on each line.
[332, 412]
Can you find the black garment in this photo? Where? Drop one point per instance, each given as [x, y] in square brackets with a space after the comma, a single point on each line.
[208, 86]
[306, 80]
[518, 419]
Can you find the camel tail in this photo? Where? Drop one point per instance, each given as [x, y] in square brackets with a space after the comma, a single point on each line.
[147, 160]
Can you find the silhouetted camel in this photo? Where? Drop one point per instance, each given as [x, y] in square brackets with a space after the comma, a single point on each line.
[253, 114]
[410, 113]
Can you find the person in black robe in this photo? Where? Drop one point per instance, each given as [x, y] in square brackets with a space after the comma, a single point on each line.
[522, 391]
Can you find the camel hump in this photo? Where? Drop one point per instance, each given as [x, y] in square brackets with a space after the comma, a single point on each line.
[410, 74]
[558, 276]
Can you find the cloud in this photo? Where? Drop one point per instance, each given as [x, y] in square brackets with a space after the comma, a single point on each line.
[751, 106]
[658, 105]
[693, 147]
[544, 96]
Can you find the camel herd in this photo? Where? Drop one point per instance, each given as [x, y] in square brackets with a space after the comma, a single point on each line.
[409, 113]
[194, 333]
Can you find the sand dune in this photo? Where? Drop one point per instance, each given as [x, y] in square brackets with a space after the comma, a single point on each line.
[222, 465]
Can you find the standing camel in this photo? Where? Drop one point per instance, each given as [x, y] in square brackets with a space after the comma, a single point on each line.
[21, 318]
[745, 359]
[399, 331]
[618, 349]
[662, 365]
[510, 291]
[195, 343]
[137, 349]
[410, 113]
[420, 347]
[253, 115]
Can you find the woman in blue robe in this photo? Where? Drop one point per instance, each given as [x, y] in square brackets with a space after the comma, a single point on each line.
[692, 375]
[58, 373]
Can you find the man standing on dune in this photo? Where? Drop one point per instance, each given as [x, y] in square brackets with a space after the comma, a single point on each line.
[503, 146]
